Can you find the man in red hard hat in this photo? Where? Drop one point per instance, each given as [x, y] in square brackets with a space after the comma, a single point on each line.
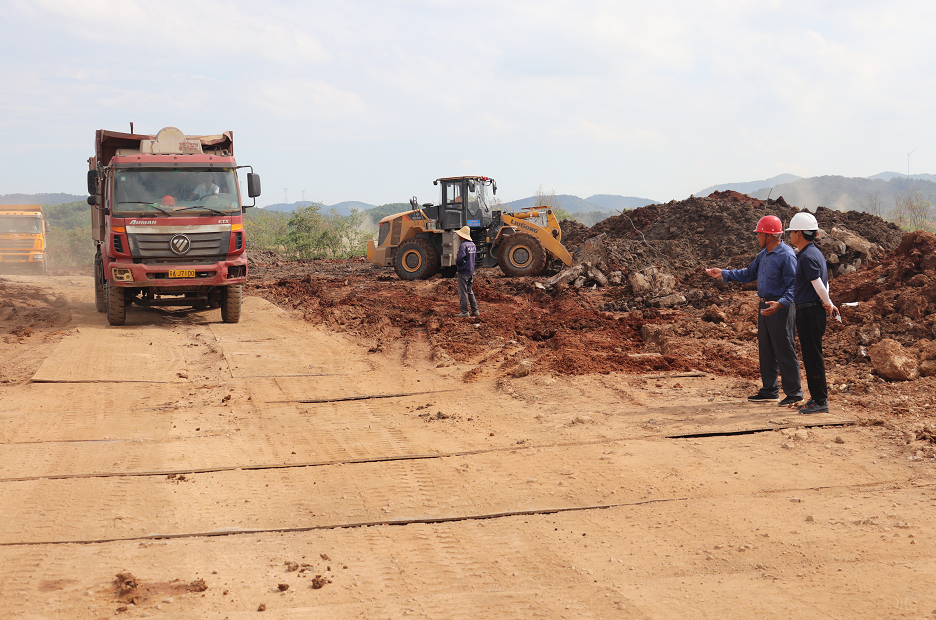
[774, 268]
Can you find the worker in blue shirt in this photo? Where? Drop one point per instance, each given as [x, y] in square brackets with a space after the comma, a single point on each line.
[813, 304]
[465, 267]
[774, 269]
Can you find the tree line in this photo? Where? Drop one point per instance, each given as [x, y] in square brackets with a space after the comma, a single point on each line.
[311, 232]
[912, 209]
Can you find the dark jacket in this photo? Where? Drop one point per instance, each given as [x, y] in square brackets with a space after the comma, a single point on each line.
[810, 264]
[465, 259]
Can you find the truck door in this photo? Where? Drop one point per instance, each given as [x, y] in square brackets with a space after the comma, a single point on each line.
[453, 207]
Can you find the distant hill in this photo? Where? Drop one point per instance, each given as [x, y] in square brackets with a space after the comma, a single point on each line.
[39, 199]
[619, 203]
[378, 213]
[750, 186]
[845, 193]
[887, 176]
[341, 208]
[598, 202]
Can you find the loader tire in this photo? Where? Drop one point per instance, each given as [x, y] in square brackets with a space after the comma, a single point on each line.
[100, 299]
[116, 304]
[231, 297]
[416, 259]
[520, 255]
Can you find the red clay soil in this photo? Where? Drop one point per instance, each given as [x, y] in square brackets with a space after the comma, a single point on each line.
[563, 331]
[582, 331]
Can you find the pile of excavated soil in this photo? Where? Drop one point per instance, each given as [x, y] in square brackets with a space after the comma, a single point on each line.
[716, 231]
[895, 297]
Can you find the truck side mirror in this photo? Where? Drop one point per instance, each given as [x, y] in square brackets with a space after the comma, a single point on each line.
[94, 200]
[253, 184]
[92, 181]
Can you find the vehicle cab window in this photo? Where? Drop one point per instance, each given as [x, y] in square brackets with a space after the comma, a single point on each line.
[453, 193]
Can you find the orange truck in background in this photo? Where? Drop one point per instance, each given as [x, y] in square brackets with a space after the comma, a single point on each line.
[22, 238]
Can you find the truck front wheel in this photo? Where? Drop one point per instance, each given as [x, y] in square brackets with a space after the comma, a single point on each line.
[231, 296]
[116, 304]
[100, 299]
[520, 255]
[416, 259]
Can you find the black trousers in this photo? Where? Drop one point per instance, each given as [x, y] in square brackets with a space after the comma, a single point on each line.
[777, 352]
[810, 326]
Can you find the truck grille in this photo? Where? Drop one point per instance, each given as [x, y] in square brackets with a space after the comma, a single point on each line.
[203, 244]
[11, 245]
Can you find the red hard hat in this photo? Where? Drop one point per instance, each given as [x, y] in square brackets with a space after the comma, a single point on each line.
[168, 201]
[769, 224]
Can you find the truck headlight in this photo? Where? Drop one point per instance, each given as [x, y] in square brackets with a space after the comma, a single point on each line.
[37, 256]
[122, 275]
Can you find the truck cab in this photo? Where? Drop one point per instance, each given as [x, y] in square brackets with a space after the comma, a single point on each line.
[22, 239]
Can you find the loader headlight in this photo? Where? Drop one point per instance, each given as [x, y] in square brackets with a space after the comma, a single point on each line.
[122, 275]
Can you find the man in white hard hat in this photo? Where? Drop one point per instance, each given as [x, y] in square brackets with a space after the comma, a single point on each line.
[813, 305]
[465, 267]
[774, 269]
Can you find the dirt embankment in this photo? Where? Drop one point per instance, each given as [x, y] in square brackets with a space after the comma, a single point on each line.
[572, 331]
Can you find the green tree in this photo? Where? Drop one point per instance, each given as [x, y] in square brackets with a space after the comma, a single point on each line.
[872, 203]
[266, 230]
[313, 234]
[305, 232]
[68, 242]
[912, 210]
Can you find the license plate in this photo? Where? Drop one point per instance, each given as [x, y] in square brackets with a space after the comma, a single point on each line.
[181, 273]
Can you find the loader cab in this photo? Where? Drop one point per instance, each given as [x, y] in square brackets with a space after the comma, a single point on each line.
[465, 202]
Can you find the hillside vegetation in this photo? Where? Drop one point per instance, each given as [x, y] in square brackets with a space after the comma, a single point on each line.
[875, 196]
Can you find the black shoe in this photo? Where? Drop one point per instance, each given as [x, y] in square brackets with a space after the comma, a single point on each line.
[789, 400]
[814, 407]
[760, 398]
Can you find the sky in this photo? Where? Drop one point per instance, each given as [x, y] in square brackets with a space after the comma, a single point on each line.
[372, 100]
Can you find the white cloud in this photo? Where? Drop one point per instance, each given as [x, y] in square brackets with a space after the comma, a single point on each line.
[655, 99]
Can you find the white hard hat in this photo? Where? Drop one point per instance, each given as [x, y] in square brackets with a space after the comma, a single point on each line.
[803, 221]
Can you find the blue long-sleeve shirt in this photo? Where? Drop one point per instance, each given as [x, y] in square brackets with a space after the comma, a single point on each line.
[774, 271]
[465, 259]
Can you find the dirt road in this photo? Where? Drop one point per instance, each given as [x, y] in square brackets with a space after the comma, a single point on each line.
[270, 465]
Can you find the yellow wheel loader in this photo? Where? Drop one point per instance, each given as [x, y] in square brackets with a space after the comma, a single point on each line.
[422, 242]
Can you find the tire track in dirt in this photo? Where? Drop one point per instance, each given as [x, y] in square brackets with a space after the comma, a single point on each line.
[457, 487]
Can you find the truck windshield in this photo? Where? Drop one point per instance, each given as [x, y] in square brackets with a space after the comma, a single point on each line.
[20, 224]
[176, 191]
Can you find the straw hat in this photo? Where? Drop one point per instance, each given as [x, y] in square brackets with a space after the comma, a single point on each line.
[464, 232]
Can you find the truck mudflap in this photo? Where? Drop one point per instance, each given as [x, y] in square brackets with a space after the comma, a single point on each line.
[139, 275]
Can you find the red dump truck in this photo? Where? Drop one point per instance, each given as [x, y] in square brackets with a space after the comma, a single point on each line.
[167, 219]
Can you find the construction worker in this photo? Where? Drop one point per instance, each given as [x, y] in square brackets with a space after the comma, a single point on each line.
[813, 304]
[774, 269]
[465, 267]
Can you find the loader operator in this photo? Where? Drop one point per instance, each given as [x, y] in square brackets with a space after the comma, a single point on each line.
[774, 268]
[465, 266]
